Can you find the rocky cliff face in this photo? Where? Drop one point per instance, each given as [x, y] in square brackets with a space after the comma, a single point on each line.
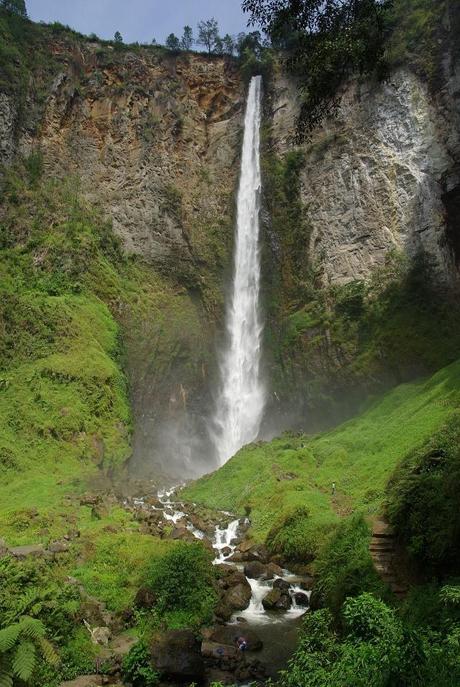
[153, 139]
[375, 178]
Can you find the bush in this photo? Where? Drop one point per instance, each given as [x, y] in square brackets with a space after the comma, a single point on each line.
[292, 536]
[344, 566]
[422, 502]
[375, 650]
[183, 583]
[137, 669]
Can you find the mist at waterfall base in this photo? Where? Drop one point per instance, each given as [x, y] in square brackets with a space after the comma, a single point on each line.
[241, 397]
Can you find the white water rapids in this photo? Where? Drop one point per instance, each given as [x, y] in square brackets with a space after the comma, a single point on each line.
[241, 399]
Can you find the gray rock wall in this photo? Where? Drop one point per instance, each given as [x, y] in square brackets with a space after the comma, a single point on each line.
[375, 176]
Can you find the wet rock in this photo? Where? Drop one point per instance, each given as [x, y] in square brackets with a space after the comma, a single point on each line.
[277, 600]
[301, 599]
[211, 649]
[307, 583]
[145, 598]
[226, 551]
[223, 612]
[255, 570]
[229, 634]
[236, 557]
[177, 655]
[238, 597]
[281, 584]
[272, 570]
[182, 534]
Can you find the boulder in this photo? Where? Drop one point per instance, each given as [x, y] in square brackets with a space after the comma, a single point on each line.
[276, 600]
[272, 570]
[238, 597]
[301, 599]
[236, 578]
[223, 612]
[255, 570]
[26, 551]
[226, 551]
[58, 547]
[210, 649]
[177, 656]
[145, 598]
[282, 585]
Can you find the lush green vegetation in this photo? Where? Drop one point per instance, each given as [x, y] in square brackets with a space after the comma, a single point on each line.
[276, 479]
[376, 648]
[68, 294]
[422, 502]
[182, 582]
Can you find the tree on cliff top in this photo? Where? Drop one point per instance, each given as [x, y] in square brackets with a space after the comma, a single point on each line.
[15, 7]
[172, 42]
[208, 34]
[187, 38]
[325, 41]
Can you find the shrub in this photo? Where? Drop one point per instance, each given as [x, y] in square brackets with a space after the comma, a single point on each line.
[137, 669]
[344, 565]
[422, 502]
[183, 583]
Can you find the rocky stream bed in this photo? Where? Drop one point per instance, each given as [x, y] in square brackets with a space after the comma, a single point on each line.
[259, 599]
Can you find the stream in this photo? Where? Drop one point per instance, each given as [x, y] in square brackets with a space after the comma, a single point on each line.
[277, 629]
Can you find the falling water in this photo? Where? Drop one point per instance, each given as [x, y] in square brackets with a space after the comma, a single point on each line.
[241, 399]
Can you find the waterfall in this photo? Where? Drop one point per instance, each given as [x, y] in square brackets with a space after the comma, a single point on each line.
[241, 399]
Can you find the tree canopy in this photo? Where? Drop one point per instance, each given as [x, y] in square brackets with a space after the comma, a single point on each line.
[15, 7]
[325, 41]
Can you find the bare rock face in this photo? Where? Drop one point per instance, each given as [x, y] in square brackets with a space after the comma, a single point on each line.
[155, 142]
[7, 123]
[177, 655]
[375, 176]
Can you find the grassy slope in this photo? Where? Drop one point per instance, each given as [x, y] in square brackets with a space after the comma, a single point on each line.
[293, 472]
[68, 297]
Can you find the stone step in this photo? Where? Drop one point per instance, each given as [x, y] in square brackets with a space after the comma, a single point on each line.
[381, 549]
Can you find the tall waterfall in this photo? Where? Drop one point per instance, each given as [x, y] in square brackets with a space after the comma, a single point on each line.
[241, 399]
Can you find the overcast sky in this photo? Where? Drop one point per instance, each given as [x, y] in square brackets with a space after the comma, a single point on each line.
[138, 20]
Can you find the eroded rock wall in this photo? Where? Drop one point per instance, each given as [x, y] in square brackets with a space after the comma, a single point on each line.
[375, 176]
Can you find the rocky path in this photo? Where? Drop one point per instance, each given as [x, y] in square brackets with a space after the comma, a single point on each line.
[382, 548]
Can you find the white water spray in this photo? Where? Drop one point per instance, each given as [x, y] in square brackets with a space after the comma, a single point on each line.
[241, 401]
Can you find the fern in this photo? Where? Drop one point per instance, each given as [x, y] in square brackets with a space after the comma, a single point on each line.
[6, 679]
[9, 637]
[32, 628]
[24, 660]
[18, 650]
[48, 652]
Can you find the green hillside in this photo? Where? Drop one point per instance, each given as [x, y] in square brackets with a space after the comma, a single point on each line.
[274, 480]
